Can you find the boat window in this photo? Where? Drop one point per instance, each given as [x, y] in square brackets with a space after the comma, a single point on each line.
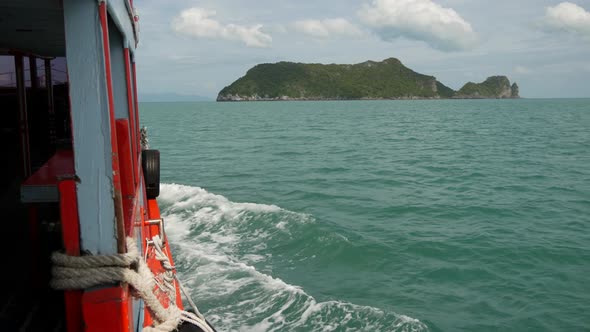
[45, 108]
[59, 72]
[7, 72]
[28, 73]
[9, 142]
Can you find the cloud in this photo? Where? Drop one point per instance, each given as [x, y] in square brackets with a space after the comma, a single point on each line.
[327, 28]
[567, 17]
[442, 28]
[522, 70]
[200, 23]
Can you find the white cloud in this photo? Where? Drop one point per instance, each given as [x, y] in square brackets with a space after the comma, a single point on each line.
[522, 70]
[200, 23]
[279, 28]
[442, 28]
[327, 28]
[567, 17]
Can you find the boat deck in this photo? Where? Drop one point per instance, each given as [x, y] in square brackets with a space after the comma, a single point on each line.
[31, 312]
[26, 302]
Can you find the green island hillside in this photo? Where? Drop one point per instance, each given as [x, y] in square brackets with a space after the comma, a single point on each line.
[493, 87]
[388, 79]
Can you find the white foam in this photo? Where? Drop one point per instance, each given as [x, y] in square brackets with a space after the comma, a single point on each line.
[208, 236]
[183, 197]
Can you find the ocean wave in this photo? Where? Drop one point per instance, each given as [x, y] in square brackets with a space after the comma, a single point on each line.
[221, 253]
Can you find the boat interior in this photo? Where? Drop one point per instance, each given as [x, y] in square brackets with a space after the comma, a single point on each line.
[34, 135]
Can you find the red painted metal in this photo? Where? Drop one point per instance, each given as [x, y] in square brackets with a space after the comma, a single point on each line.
[126, 166]
[58, 166]
[102, 9]
[131, 110]
[23, 118]
[136, 216]
[68, 205]
[153, 212]
[138, 150]
[108, 309]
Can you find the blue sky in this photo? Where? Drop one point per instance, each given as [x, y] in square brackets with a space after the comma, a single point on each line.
[193, 47]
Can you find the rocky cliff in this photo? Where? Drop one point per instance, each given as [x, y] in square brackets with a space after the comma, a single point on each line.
[494, 87]
[515, 91]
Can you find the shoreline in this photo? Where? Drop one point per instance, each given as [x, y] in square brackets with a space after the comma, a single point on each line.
[230, 100]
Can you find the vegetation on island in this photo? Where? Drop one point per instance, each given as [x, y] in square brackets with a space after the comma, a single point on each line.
[493, 87]
[388, 79]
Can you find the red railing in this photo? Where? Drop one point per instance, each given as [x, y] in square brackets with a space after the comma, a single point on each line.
[102, 10]
[131, 111]
[68, 205]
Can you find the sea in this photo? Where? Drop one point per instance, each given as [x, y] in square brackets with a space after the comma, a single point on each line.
[425, 215]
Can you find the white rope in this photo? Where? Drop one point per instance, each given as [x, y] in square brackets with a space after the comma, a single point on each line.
[145, 142]
[169, 276]
[188, 298]
[72, 272]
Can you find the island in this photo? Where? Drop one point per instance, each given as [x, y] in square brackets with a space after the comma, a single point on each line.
[492, 87]
[370, 80]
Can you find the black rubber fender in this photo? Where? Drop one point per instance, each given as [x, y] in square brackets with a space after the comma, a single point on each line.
[188, 327]
[150, 163]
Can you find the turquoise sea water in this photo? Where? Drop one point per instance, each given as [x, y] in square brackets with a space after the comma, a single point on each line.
[380, 215]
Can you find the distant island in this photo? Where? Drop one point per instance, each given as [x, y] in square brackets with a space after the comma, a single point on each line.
[370, 80]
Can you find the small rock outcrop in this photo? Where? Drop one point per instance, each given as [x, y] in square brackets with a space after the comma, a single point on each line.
[515, 91]
[494, 87]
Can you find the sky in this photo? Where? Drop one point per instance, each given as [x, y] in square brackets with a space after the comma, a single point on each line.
[197, 47]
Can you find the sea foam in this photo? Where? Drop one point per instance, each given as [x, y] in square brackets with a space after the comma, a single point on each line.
[220, 251]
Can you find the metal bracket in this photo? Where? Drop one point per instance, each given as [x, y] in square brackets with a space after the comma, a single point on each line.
[160, 223]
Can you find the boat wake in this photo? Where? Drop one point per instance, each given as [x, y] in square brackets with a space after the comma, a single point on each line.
[225, 253]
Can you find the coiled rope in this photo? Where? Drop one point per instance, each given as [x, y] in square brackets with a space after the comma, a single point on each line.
[80, 272]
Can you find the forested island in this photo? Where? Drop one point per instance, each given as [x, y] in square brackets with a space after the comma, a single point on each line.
[370, 80]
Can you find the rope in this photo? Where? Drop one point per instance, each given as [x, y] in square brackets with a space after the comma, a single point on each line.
[169, 275]
[145, 142]
[72, 272]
